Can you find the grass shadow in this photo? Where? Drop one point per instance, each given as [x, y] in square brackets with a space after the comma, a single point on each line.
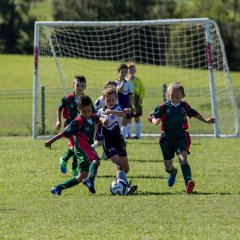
[132, 177]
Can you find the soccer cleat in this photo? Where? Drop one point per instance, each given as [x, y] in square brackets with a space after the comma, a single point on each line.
[190, 186]
[136, 137]
[63, 165]
[55, 191]
[89, 184]
[172, 179]
[132, 189]
[74, 172]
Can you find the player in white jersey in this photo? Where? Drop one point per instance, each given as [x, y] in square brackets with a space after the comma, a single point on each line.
[125, 95]
[113, 142]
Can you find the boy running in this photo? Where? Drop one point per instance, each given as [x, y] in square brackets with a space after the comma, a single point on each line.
[82, 129]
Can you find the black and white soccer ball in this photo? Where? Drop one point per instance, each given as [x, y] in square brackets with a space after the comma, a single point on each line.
[119, 187]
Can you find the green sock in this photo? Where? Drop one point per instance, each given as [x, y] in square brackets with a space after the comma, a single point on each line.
[68, 184]
[186, 171]
[93, 171]
[74, 163]
[67, 155]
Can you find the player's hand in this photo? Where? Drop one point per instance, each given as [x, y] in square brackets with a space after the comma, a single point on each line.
[211, 120]
[108, 111]
[48, 144]
[58, 125]
[128, 110]
[105, 121]
[156, 121]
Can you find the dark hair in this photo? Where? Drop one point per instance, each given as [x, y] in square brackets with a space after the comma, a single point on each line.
[121, 66]
[80, 78]
[84, 101]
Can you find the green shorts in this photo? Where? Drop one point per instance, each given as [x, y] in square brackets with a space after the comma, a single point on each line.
[85, 155]
[172, 142]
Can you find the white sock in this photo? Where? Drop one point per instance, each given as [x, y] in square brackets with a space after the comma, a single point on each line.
[95, 144]
[138, 129]
[124, 131]
[129, 129]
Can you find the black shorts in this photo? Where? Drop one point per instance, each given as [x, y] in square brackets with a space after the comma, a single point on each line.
[113, 145]
[173, 143]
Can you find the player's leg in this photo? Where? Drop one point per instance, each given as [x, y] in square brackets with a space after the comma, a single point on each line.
[186, 171]
[129, 128]
[64, 159]
[168, 155]
[138, 126]
[57, 189]
[89, 154]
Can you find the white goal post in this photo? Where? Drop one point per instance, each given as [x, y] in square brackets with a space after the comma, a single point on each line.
[187, 50]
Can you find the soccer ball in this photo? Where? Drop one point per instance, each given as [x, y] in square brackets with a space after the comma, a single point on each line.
[119, 187]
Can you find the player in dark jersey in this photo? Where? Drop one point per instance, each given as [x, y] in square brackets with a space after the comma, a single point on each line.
[172, 113]
[82, 129]
[113, 142]
[68, 109]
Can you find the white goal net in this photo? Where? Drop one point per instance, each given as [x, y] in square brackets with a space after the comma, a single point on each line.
[188, 50]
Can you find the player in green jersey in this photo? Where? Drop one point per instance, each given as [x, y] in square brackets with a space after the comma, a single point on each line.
[172, 113]
[82, 128]
[68, 109]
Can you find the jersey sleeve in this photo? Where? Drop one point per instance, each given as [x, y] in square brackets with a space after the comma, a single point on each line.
[141, 90]
[63, 103]
[191, 112]
[72, 128]
[130, 89]
[156, 113]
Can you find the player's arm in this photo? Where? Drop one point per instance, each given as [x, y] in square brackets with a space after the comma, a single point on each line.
[155, 116]
[120, 113]
[141, 92]
[49, 143]
[193, 113]
[205, 120]
[59, 116]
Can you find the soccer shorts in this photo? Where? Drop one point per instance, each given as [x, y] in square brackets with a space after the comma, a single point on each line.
[85, 155]
[113, 145]
[173, 142]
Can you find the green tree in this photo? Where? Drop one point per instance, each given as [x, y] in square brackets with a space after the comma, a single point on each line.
[16, 26]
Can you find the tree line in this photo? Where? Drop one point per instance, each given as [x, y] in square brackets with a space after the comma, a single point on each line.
[17, 23]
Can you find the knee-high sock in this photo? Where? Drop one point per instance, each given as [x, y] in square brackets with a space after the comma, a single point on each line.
[124, 131]
[122, 175]
[67, 155]
[138, 129]
[93, 171]
[186, 171]
[129, 129]
[68, 184]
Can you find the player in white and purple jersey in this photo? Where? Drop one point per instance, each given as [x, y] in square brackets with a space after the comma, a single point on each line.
[113, 142]
[125, 95]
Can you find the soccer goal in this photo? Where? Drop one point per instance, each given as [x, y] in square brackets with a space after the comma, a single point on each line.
[187, 50]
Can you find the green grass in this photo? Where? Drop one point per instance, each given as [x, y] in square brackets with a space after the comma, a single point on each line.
[29, 211]
[18, 73]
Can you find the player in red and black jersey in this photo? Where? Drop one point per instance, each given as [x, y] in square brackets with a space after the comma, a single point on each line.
[68, 109]
[172, 114]
[81, 134]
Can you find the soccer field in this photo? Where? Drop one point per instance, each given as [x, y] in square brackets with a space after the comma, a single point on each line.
[29, 211]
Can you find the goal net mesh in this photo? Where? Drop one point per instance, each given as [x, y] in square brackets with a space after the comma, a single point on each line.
[163, 53]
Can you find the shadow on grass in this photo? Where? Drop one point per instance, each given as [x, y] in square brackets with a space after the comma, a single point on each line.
[132, 177]
[147, 193]
[143, 161]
